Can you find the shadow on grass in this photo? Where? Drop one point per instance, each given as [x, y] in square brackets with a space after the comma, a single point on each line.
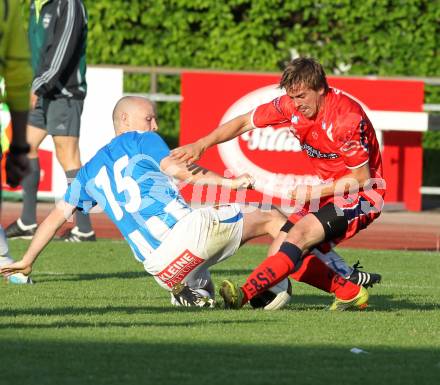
[63, 277]
[180, 362]
[389, 303]
[299, 303]
[377, 302]
[65, 311]
[103, 310]
[119, 324]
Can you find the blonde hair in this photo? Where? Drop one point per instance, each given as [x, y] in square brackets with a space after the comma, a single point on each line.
[304, 71]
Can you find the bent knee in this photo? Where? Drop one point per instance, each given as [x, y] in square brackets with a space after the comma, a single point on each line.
[306, 234]
[275, 220]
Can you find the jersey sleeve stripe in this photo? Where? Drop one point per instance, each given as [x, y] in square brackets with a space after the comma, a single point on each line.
[252, 119]
[360, 165]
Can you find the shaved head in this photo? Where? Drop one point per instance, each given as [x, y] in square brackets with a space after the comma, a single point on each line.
[134, 113]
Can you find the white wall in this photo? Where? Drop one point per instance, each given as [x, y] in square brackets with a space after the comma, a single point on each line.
[105, 87]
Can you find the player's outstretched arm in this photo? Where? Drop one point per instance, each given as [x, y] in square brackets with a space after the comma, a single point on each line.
[195, 174]
[42, 237]
[350, 183]
[227, 131]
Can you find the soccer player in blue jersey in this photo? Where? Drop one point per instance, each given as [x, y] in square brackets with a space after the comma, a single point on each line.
[131, 179]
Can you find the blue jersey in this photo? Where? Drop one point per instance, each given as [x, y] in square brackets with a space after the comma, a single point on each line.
[125, 180]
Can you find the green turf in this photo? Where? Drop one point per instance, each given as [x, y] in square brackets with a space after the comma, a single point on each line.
[94, 317]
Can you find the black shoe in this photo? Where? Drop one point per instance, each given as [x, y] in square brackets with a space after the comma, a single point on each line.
[74, 235]
[18, 230]
[362, 278]
[186, 296]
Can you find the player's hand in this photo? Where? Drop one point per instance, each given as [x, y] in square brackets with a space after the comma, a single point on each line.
[243, 182]
[188, 153]
[16, 267]
[302, 193]
[17, 167]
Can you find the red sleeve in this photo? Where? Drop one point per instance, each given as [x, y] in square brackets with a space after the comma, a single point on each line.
[269, 114]
[350, 135]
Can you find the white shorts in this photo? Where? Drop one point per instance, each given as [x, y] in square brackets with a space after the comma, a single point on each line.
[201, 239]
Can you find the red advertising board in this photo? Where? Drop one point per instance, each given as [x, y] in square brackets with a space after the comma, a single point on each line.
[44, 156]
[272, 155]
[45, 184]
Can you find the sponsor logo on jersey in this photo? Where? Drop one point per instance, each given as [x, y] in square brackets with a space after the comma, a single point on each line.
[294, 119]
[277, 104]
[313, 152]
[178, 269]
[363, 135]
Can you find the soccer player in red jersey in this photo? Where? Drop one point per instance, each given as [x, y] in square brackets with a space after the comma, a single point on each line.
[340, 141]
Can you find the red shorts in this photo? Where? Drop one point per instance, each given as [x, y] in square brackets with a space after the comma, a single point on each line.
[358, 210]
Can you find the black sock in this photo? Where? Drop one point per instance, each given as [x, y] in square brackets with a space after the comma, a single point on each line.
[30, 187]
[293, 252]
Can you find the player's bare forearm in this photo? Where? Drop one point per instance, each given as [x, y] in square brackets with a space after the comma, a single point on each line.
[349, 183]
[202, 176]
[229, 130]
[207, 177]
[47, 229]
[195, 174]
[352, 182]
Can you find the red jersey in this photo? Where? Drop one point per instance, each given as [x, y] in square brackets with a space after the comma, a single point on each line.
[340, 138]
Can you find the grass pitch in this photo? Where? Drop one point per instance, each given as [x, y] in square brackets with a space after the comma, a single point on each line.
[94, 317]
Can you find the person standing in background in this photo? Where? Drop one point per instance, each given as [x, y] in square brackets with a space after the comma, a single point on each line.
[16, 70]
[57, 35]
